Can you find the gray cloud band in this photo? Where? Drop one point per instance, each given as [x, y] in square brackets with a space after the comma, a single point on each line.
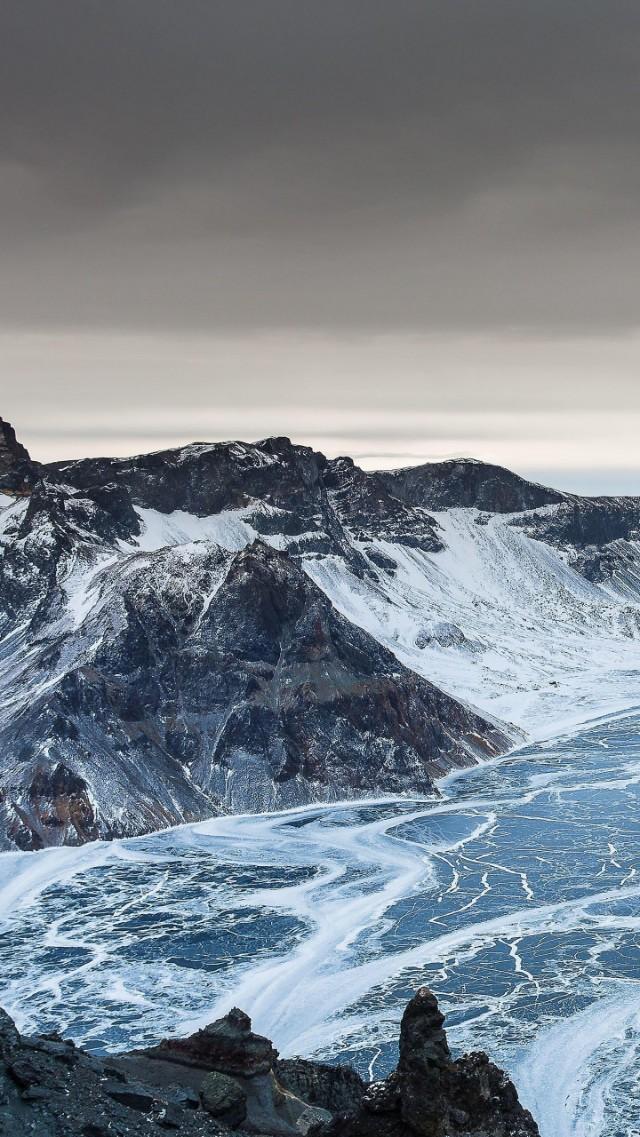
[343, 166]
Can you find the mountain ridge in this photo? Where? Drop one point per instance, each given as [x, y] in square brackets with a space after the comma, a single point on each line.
[467, 482]
[113, 572]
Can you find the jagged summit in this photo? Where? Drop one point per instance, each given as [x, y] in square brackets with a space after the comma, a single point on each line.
[317, 497]
[10, 449]
[17, 471]
[467, 482]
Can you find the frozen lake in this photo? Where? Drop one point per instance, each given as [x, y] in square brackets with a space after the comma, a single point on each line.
[516, 898]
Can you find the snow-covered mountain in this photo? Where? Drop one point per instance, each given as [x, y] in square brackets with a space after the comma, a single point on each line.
[231, 626]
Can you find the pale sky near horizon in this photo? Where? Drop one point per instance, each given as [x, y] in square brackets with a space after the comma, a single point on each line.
[398, 230]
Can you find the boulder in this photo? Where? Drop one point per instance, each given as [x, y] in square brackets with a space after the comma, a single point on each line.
[310, 1118]
[224, 1098]
[133, 1095]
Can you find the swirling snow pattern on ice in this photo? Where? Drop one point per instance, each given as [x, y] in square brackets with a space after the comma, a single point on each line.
[516, 898]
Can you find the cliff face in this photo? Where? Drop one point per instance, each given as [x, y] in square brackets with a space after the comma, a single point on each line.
[17, 471]
[600, 536]
[462, 483]
[226, 1079]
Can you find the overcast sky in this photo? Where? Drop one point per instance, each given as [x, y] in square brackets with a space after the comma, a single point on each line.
[399, 229]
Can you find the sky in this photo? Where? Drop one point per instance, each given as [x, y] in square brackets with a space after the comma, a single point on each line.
[402, 230]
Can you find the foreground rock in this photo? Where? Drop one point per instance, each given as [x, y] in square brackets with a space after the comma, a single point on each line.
[226, 1079]
[432, 1095]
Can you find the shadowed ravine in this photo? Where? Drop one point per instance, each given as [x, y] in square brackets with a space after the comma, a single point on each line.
[516, 899]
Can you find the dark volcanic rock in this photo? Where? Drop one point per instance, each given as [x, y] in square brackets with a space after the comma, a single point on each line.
[315, 497]
[52, 1089]
[131, 1094]
[57, 801]
[599, 533]
[338, 1089]
[236, 1074]
[587, 521]
[49, 1088]
[369, 510]
[58, 527]
[227, 1045]
[431, 1095]
[463, 482]
[224, 1098]
[17, 472]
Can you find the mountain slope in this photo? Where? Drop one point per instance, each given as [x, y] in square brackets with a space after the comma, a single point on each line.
[503, 620]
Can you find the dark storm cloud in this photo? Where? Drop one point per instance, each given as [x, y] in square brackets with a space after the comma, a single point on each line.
[352, 164]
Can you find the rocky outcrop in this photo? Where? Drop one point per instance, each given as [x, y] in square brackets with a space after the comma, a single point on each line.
[49, 1088]
[227, 1045]
[588, 521]
[430, 1094]
[465, 483]
[235, 1073]
[226, 1079]
[600, 535]
[338, 1089]
[17, 472]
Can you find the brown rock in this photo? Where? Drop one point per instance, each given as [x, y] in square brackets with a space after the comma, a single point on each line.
[228, 1045]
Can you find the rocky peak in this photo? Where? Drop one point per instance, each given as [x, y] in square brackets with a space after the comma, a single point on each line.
[312, 496]
[464, 482]
[423, 1041]
[11, 450]
[17, 471]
